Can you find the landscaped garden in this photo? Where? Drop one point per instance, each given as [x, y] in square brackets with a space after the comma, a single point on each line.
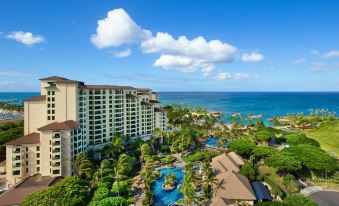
[173, 167]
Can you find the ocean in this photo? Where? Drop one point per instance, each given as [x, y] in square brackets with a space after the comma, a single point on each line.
[267, 104]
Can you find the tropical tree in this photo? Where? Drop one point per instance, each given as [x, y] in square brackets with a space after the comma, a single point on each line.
[82, 166]
[116, 146]
[242, 147]
[69, 191]
[146, 152]
[188, 187]
[208, 180]
[283, 162]
[120, 166]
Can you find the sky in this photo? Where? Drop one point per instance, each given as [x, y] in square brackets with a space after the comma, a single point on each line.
[173, 45]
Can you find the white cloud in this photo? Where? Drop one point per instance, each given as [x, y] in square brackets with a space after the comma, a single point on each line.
[222, 76]
[239, 76]
[183, 54]
[213, 51]
[252, 57]
[123, 53]
[207, 70]
[26, 38]
[331, 54]
[118, 29]
[188, 55]
[315, 52]
[299, 61]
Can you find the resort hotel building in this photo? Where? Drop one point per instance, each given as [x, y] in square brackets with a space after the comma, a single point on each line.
[70, 117]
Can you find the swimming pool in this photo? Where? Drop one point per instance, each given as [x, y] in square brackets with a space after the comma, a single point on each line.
[162, 197]
[212, 142]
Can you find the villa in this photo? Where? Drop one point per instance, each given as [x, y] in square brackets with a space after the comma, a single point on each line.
[227, 162]
[232, 187]
[70, 117]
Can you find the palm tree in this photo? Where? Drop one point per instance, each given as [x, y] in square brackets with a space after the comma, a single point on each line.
[208, 179]
[116, 146]
[148, 177]
[120, 166]
[188, 188]
[146, 151]
[104, 168]
[82, 166]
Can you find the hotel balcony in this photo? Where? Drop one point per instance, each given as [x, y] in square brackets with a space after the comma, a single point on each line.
[16, 165]
[56, 136]
[56, 165]
[56, 158]
[17, 159]
[16, 150]
[56, 150]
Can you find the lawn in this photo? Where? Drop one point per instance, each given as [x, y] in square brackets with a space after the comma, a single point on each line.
[327, 135]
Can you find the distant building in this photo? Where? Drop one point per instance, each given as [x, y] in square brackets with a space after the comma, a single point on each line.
[70, 117]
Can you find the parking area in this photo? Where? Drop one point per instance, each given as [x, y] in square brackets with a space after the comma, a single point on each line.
[325, 198]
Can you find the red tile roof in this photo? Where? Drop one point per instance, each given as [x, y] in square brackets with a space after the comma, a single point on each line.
[36, 98]
[16, 194]
[33, 138]
[67, 125]
[60, 79]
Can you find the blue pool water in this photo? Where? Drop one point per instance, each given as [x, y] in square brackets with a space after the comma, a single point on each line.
[162, 197]
[212, 142]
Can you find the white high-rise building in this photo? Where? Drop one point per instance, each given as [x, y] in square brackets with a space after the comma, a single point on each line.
[70, 117]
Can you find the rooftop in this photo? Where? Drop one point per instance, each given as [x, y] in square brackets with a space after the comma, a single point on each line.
[36, 98]
[16, 194]
[260, 191]
[33, 138]
[67, 125]
[224, 163]
[59, 79]
[234, 186]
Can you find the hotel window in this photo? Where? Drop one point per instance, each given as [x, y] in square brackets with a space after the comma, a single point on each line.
[48, 118]
[37, 155]
[49, 92]
[26, 169]
[53, 118]
[38, 169]
[37, 148]
[38, 162]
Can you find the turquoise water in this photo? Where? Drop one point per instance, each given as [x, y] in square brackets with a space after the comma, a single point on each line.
[163, 197]
[212, 141]
[18, 96]
[268, 104]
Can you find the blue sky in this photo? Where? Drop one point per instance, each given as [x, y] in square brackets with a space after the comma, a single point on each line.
[172, 45]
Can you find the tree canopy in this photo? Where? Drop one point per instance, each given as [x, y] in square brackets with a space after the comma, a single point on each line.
[283, 162]
[313, 158]
[242, 147]
[69, 191]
